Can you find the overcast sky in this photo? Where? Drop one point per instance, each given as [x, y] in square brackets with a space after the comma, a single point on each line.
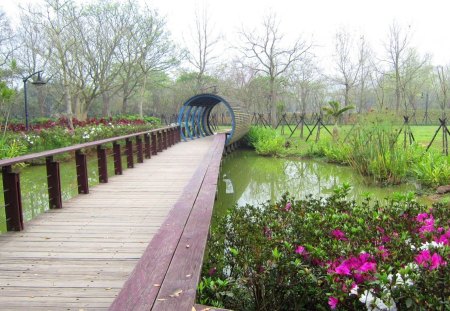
[313, 19]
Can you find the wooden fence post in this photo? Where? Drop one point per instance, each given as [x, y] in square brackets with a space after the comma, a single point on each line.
[147, 146]
[13, 199]
[140, 153]
[53, 183]
[102, 165]
[117, 159]
[154, 143]
[82, 174]
[129, 151]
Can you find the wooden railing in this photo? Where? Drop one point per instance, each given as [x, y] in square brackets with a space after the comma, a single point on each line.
[166, 276]
[147, 143]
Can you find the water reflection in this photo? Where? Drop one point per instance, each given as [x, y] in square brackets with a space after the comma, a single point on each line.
[248, 178]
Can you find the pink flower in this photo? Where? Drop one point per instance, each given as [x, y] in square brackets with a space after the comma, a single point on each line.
[436, 261]
[426, 260]
[423, 257]
[368, 266]
[339, 235]
[300, 250]
[333, 302]
[421, 217]
[428, 225]
[383, 252]
[342, 269]
[288, 207]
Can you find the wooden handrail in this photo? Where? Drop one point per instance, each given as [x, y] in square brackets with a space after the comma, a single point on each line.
[160, 138]
[43, 154]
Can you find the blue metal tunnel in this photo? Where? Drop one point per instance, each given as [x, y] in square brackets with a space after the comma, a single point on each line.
[195, 118]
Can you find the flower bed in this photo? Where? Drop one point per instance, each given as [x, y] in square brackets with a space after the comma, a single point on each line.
[51, 134]
[318, 254]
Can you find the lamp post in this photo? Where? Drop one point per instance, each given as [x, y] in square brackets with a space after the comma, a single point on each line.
[39, 81]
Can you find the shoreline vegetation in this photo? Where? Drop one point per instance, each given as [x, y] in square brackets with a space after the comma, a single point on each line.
[374, 149]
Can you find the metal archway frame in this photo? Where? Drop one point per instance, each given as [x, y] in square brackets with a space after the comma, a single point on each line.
[195, 114]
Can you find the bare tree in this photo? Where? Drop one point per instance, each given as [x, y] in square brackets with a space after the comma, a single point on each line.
[348, 64]
[268, 54]
[397, 54]
[201, 52]
[442, 86]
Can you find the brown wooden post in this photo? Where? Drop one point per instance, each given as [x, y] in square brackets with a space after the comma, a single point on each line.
[129, 151]
[147, 146]
[164, 139]
[117, 159]
[53, 183]
[82, 174]
[178, 136]
[160, 142]
[154, 143]
[140, 152]
[171, 135]
[13, 199]
[102, 165]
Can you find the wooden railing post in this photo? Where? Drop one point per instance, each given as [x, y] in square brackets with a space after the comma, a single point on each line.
[129, 151]
[147, 146]
[164, 138]
[140, 153]
[154, 143]
[117, 159]
[172, 136]
[102, 165]
[53, 183]
[13, 199]
[82, 174]
[160, 142]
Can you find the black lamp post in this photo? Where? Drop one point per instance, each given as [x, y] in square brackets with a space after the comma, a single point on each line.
[39, 81]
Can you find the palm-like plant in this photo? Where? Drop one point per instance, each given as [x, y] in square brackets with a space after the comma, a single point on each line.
[335, 111]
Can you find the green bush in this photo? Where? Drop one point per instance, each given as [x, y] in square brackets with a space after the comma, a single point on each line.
[266, 141]
[322, 253]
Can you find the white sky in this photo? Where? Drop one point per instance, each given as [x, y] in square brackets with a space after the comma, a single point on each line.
[317, 19]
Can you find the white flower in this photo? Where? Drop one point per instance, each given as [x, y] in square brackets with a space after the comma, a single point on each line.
[376, 304]
[354, 290]
[428, 245]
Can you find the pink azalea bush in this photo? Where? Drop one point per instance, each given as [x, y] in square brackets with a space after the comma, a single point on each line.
[332, 254]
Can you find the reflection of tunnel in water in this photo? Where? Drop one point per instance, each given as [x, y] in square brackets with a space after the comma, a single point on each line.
[256, 179]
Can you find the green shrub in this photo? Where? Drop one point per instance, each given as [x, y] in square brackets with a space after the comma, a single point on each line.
[318, 253]
[266, 141]
[432, 169]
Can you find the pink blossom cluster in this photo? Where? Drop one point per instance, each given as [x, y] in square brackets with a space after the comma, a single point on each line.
[360, 268]
[339, 235]
[430, 261]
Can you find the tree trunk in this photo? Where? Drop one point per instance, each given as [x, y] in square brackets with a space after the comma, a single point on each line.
[141, 100]
[68, 102]
[106, 111]
[273, 106]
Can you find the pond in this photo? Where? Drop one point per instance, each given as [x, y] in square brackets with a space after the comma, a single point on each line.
[33, 183]
[247, 178]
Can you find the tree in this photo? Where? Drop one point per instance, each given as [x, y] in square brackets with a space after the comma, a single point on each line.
[201, 52]
[335, 111]
[348, 65]
[268, 54]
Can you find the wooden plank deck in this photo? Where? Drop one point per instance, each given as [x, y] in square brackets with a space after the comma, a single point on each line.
[78, 257]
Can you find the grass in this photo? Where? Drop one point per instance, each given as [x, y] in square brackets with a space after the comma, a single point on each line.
[423, 135]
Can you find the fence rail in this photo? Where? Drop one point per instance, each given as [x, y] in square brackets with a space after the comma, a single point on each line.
[146, 143]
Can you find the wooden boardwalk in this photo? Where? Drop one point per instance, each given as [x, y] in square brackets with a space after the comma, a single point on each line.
[78, 257]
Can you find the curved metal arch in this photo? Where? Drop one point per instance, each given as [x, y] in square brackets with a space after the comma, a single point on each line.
[196, 111]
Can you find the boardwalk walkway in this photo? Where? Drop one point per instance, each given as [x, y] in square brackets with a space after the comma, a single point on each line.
[78, 257]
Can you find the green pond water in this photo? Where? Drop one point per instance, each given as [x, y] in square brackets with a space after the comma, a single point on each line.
[33, 183]
[247, 178]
